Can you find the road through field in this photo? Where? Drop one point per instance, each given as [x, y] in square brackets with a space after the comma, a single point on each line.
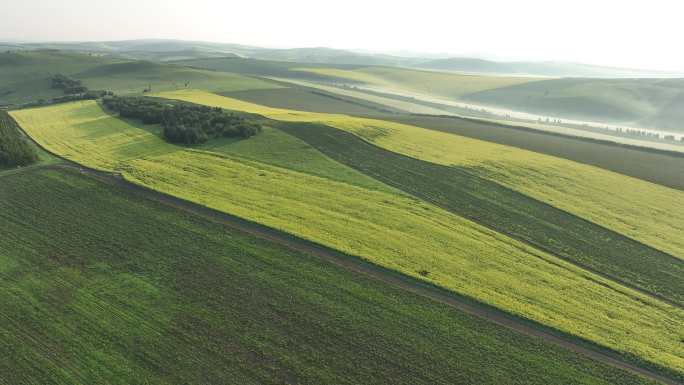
[359, 266]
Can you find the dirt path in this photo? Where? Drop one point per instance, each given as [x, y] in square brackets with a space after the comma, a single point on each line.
[357, 265]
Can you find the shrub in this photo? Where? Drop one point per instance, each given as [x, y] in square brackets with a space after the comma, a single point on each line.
[15, 150]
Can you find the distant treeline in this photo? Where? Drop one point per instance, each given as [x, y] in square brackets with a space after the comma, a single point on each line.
[181, 122]
[69, 85]
[15, 150]
[75, 88]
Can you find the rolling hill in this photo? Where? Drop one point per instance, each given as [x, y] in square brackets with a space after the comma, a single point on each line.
[169, 49]
[389, 227]
[120, 287]
[650, 102]
[25, 75]
[647, 102]
[347, 241]
[550, 69]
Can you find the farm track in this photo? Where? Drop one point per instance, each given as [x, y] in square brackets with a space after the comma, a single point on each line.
[359, 266]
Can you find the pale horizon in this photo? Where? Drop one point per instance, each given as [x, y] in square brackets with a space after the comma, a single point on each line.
[636, 35]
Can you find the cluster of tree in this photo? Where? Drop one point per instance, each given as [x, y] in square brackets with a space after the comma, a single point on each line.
[69, 85]
[182, 122]
[15, 150]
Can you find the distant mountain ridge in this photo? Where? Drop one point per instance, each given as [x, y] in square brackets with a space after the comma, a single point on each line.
[171, 50]
[551, 69]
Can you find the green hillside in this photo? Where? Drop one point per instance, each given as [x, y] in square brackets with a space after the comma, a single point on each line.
[408, 81]
[126, 290]
[587, 192]
[383, 226]
[273, 68]
[356, 232]
[627, 100]
[15, 149]
[649, 102]
[460, 191]
[553, 69]
[25, 75]
[658, 167]
[134, 77]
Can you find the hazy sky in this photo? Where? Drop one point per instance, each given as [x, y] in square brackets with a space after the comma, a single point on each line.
[645, 34]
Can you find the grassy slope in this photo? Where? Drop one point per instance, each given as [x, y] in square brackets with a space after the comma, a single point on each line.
[663, 169]
[307, 99]
[650, 166]
[650, 102]
[260, 67]
[506, 211]
[424, 82]
[671, 115]
[593, 99]
[647, 212]
[389, 229]
[130, 292]
[276, 148]
[25, 75]
[133, 77]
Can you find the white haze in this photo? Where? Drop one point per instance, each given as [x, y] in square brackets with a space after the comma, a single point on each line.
[637, 34]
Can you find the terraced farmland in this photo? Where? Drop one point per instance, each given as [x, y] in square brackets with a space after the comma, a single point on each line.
[382, 226]
[128, 290]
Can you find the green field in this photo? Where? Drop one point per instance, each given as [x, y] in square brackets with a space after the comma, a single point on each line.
[516, 215]
[624, 100]
[276, 148]
[648, 213]
[651, 166]
[382, 226]
[25, 75]
[648, 102]
[306, 99]
[260, 67]
[103, 286]
[416, 81]
[133, 77]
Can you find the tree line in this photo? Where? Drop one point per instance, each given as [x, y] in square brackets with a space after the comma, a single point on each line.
[15, 149]
[68, 85]
[183, 123]
[74, 89]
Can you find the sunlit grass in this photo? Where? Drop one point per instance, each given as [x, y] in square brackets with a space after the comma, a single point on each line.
[379, 225]
[644, 211]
